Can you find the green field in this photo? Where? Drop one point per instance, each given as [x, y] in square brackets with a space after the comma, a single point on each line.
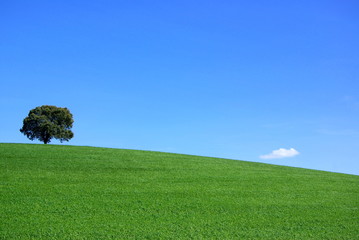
[68, 192]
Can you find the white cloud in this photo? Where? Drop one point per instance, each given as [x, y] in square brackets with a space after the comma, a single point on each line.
[344, 132]
[280, 153]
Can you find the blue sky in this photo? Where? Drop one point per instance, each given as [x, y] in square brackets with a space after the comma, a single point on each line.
[231, 79]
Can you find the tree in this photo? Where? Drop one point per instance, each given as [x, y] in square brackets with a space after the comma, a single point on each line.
[47, 122]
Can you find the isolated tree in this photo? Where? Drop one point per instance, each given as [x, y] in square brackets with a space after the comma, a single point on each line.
[47, 122]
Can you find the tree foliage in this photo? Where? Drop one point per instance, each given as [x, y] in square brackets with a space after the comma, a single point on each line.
[47, 122]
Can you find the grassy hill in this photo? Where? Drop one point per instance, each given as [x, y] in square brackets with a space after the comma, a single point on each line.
[68, 192]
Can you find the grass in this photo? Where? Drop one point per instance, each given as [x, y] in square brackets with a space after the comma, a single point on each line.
[68, 192]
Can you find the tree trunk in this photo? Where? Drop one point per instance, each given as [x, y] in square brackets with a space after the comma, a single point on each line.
[47, 138]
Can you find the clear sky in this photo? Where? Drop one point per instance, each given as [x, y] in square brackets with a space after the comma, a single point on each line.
[232, 79]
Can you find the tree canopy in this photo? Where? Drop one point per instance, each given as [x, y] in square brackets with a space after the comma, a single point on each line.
[47, 122]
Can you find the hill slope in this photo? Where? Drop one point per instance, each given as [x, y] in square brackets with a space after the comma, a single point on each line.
[68, 192]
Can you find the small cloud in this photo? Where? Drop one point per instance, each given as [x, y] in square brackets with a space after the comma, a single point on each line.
[280, 153]
[344, 132]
